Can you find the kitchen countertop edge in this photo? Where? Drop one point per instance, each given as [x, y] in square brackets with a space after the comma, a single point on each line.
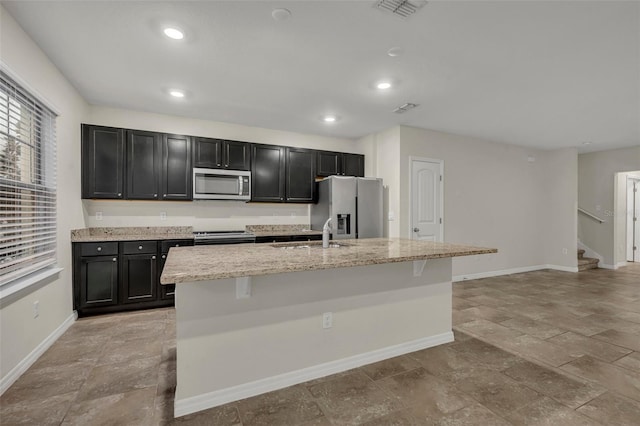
[187, 264]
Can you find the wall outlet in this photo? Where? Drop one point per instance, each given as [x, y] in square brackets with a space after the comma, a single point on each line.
[98, 215]
[565, 251]
[327, 320]
[36, 309]
[163, 215]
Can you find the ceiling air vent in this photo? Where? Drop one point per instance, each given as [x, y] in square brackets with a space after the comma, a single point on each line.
[404, 108]
[401, 8]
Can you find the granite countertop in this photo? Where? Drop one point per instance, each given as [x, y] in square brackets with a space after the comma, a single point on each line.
[281, 230]
[132, 233]
[202, 263]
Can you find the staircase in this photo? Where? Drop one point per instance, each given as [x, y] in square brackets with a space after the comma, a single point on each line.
[585, 263]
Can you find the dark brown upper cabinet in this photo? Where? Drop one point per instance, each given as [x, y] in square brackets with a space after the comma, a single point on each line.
[135, 164]
[339, 163]
[353, 165]
[222, 154]
[144, 160]
[329, 163]
[176, 171]
[102, 162]
[268, 173]
[300, 184]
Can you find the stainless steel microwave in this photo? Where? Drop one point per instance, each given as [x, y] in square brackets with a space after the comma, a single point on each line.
[217, 184]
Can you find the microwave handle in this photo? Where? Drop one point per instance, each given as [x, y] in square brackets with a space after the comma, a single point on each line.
[241, 184]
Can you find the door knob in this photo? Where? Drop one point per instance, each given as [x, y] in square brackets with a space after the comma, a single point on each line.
[416, 229]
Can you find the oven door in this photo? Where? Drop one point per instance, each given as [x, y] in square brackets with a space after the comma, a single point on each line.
[213, 184]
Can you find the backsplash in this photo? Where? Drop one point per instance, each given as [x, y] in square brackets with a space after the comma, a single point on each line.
[201, 215]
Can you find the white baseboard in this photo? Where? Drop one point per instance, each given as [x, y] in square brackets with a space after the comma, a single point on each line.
[616, 266]
[29, 360]
[185, 406]
[562, 268]
[489, 274]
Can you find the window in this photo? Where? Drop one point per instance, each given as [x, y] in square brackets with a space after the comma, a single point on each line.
[27, 183]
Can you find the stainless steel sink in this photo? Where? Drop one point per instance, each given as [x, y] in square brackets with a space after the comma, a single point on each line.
[307, 245]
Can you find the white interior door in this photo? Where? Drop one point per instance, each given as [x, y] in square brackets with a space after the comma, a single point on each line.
[633, 225]
[426, 200]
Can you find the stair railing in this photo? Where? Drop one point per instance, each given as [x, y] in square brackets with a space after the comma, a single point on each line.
[586, 213]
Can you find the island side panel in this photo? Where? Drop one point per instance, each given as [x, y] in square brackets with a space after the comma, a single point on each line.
[229, 348]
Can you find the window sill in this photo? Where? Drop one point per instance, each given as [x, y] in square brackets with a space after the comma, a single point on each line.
[20, 284]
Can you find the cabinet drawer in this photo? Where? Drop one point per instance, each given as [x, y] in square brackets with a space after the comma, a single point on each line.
[98, 249]
[166, 245]
[140, 247]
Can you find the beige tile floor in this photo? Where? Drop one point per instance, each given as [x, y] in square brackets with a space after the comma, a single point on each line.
[539, 348]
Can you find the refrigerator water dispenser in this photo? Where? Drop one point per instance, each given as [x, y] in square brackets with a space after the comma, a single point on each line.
[344, 224]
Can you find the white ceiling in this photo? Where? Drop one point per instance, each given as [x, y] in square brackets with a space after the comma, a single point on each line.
[540, 74]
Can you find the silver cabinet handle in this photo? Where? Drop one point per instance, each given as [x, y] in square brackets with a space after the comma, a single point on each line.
[416, 229]
[218, 164]
[99, 249]
[155, 195]
[119, 194]
[114, 259]
[153, 258]
[164, 256]
[139, 247]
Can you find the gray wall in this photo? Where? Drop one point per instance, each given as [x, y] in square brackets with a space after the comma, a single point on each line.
[596, 194]
[493, 196]
[21, 332]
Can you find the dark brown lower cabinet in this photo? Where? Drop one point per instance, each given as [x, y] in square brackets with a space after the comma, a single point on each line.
[112, 277]
[97, 282]
[287, 238]
[139, 278]
[167, 291]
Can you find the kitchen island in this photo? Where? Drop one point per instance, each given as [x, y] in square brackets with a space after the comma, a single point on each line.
[255, 318]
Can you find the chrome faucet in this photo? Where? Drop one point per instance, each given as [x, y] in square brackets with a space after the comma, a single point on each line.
[326, 230]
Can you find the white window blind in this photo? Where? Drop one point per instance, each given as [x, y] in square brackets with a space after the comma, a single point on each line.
[27, 183]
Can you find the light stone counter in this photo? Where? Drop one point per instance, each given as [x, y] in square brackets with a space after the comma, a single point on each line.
[199, 263]
[281, 230]
[137, 233]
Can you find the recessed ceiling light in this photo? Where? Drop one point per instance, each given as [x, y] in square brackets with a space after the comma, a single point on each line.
[174, 33]
[329, 118]
[176, 93]
[281, 14]
[383, 85]
[395, 51]
[587, 143]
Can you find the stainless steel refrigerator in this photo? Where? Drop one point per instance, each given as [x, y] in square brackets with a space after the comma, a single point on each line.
[353, 204]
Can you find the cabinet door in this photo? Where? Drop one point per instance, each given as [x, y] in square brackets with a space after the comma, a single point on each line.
[300, 175]
[353, 165]
[139, 278]
[177, 173]
[167, 291]
[143, 165]
[268, 173]
[102, 162]
[207, 153]
[329, 163]
[237, 155]
[98, 281]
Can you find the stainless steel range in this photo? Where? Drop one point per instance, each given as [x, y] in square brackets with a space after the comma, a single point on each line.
[223, 237]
